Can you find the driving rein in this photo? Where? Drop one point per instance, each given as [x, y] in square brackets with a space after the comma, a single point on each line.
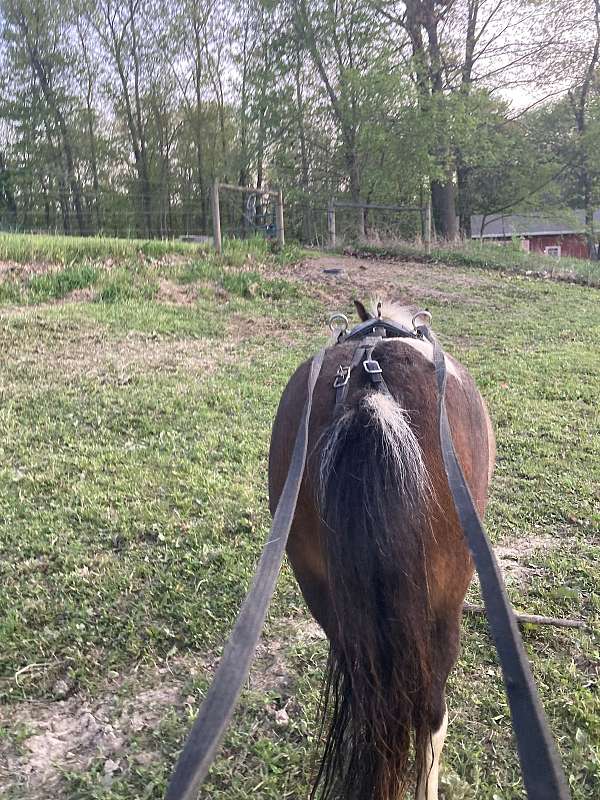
[540, 766]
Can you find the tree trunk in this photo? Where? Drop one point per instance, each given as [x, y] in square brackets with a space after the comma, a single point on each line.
[429, 70]
[244, 171]
[444, 209]
[198, 24]
[590, 233]
[465, 208]
[579, 99]
[6, 193]
[198, 141]
[343, 105]
[46, 206]
[143, 164]
[135, 135]
[38, 67]
[97, 209]
[63, 200]
[304, 168]
[355, 186]
[94, 167]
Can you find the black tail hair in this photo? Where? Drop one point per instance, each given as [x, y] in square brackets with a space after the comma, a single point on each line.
[376, 702]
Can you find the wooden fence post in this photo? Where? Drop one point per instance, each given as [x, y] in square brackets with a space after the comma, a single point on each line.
[216, 218]
[331, 224]
[279, 219]
[428, 227]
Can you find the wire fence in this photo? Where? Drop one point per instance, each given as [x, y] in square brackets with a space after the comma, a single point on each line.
[179, 214]
[248, 214]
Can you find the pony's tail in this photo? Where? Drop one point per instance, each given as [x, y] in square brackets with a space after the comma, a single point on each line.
[376, 704]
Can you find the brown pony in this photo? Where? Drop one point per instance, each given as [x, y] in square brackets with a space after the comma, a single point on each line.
[380, 557]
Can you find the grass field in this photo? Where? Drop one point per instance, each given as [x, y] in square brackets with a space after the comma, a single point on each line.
[500, 258]
[137, 393]
[64, 249]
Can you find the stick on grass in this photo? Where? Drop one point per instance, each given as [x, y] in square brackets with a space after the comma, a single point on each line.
[534, 619]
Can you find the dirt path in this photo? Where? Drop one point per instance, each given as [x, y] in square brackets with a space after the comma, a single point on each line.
[339, 278]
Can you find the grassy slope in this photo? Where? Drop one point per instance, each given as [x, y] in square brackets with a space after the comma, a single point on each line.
[495, 257]
[133, 449]
[64, 249]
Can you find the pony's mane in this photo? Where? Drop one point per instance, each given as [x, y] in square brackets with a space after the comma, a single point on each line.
[397, 312]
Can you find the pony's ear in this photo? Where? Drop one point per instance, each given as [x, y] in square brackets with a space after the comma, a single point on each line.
[362, 311]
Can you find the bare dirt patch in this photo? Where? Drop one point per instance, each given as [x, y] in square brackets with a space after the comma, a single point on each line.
[338, 278]
[87, 295]
[113, 729]
[271, 669]
[89, 352]
[70, 735]
[514, 557]
[92, 354]
[16, 270]
[176, 294]
[243, 328]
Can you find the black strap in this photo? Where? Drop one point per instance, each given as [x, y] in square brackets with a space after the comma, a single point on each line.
[362, 355]
[540, 765]
[387, 326]
[217, 708]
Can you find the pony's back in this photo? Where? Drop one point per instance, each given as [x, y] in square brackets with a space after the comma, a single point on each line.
[381, 560]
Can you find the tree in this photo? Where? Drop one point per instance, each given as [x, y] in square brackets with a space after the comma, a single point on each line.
[34, 32]
[89, 68]
[572, 63]
[119, 26]
[118, 116]
[454, 48]
[341, 40]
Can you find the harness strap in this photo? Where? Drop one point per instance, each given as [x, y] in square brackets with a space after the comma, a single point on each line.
[540, 765]
[363, 354]
[216, 710]
[342, 379]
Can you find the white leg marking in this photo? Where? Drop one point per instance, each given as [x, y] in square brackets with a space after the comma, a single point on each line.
[428, 785]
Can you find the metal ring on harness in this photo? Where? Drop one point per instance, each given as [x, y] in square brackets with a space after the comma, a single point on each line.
[340, 328]
[423, 313]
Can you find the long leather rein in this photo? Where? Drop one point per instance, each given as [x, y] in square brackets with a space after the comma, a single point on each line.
[542, 773]
[540, 766]
[217, 707]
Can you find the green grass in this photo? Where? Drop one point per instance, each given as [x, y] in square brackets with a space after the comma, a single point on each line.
[135, 276]
[31, 247]
[25, 247]
[494, 257]
[133, 442]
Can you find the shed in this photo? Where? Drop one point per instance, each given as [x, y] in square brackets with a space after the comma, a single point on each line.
[557, 234]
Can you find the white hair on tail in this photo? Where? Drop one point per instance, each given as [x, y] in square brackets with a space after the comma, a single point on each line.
[399, 444]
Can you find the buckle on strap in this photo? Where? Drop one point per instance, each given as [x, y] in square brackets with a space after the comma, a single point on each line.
[372, 367]
[342, 377]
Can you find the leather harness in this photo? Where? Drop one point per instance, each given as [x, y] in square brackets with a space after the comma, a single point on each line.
[542, 773]
[369, 334]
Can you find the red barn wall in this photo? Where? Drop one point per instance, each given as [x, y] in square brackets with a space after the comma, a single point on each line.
[571, 245]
